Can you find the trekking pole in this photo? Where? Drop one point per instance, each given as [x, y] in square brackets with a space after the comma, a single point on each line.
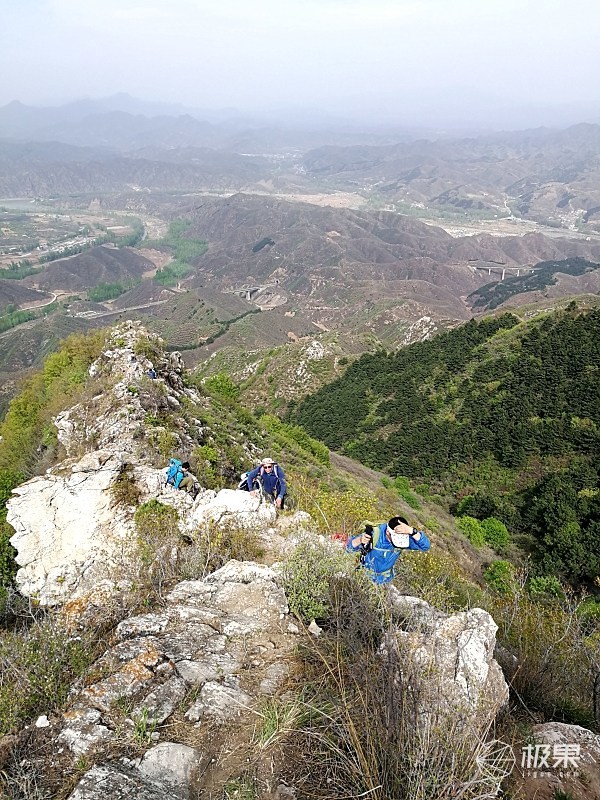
[366, 548]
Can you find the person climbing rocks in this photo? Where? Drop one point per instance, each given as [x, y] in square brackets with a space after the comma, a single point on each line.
[380, 546]
[270, 479]
[189, 483]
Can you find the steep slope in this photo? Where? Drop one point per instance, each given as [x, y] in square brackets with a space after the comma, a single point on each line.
[14, 293]
[505, 412]
[104, 264]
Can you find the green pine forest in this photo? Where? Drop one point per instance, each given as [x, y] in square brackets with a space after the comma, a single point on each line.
[498, 418]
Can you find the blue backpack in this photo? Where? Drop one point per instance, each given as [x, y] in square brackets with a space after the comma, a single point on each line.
[174, 472]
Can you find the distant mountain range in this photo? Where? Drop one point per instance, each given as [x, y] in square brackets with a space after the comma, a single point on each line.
[127, 124]
[321, 239]
[550, 176]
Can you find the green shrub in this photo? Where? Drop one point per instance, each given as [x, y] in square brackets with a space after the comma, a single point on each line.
[222, 385]
[495, 533]
[307, 576]
[286, 433]
[437, 579]
[9, 480]
[334, 511]
[402, 486]
[8, 566]
[207, 459]
[545, 585]
[124, 490]
[557, 651]
[156, 520]
[500, 576]
[149, 348]
[472, 529]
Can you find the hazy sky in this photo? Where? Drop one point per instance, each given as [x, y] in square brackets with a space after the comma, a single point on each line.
[409, 60]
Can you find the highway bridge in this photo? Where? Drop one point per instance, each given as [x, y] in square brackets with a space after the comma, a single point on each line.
[248, 291]
[500, 269]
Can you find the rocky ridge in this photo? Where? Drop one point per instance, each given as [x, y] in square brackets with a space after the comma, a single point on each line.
[189, 677]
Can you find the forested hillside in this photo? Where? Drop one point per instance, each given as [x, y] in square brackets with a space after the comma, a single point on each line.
[500, 417]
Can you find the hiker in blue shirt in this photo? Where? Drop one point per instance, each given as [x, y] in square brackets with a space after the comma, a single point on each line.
[380, 547]
[272, 478]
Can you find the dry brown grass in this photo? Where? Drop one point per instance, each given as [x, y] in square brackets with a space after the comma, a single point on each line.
[365, 731]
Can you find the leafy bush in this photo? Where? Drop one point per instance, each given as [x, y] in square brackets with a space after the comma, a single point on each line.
[472, 529]
[557, 651]
[334, 511]
[402, 486]
[148, 348]
[207, 458]
[8, 566]
[222, 385]
[436, 579]
[9, 480]
[295, 433]
[545, 585]
[500, 576]
[495, 533]
[156, 520]
[307, 576]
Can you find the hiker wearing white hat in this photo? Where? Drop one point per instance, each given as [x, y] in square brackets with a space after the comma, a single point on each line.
[380, 546]
[271, 477]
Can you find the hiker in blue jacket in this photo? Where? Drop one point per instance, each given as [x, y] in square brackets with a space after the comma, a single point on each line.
[272, 478]
[380, 547]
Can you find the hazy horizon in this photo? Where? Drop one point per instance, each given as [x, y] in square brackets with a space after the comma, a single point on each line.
[424, 63]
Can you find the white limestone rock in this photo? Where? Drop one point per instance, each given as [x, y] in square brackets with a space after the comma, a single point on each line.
[83, 732]
[176, 766]
[456, 653]
[218, 703]
[120, 782]
[67, 530]
[230, 506]
[162, 701]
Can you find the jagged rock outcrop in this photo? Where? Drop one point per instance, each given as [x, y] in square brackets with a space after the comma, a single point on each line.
[456, 652]
[135, 380]
[70, 532]
[71, 535]
[228, 637]
[220, 645]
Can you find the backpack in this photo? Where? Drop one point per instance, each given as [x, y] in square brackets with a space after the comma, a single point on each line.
[243, 484]
[275, 472]
[174, 473]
